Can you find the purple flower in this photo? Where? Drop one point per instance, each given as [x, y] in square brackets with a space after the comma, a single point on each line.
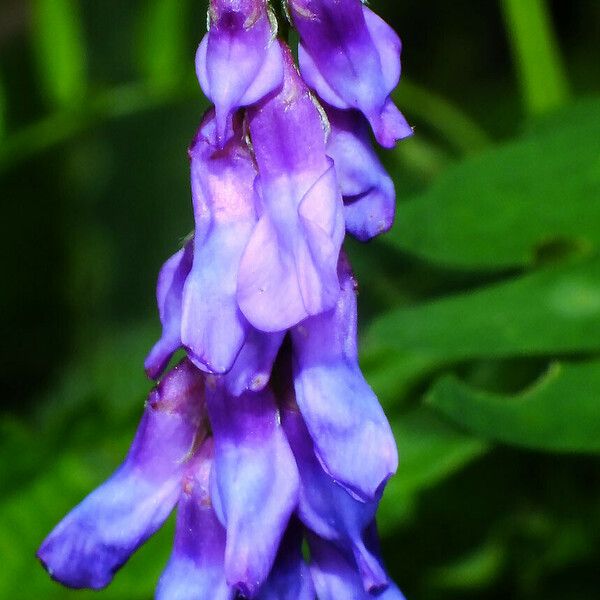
[288, 269]
[256, 481]
[368, 191]
[239, 61]
[252, 369]
[98, 536]
[335, 574]
[171, 280]
[261, 442]
[290, 578]
[351, 57]
[213, 329]
[328, 509]
[196, 569]
[197, 286]
[353, 439]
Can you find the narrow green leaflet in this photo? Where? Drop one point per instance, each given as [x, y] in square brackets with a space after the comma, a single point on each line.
[60, 52]
[556, 310]
[430, 451]
[456, 127]
[560, 413]
[514, 205]
[163, 52]
[535, 48]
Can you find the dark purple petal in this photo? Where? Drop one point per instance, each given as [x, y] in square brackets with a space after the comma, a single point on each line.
[213, 327]
[390, 125]
[368, 191]
[351, 57]
[335, 574]
[251, 370]
[353, 439]
[94, 540]
[288, 270]
[168, 294]
[329, 510]
[290, 577]
[239, 61]
[196, 568]
[256, 481]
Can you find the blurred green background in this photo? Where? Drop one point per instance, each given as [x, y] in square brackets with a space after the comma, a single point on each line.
[480, 310]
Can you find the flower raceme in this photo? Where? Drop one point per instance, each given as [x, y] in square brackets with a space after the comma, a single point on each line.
[266, 435]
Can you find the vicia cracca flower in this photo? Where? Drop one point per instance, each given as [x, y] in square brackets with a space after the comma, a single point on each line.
[351, 58]
[266, 435]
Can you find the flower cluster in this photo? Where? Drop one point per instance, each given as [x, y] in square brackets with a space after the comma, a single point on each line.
[266, 435]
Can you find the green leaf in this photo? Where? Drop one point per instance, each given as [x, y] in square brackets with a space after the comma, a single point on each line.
[60, 51]
[164, 57]
[552, 311]
[560, 413]
[513, 205]
[541, 69]
[430, 451]
[475, 570]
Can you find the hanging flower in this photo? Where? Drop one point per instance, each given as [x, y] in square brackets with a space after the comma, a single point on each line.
[266, 435]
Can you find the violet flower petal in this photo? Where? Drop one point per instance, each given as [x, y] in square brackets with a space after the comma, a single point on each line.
[256, 481]
[213, 327]
[351, 57]
[252, 368]
[329, 510]
[335, 575]
[290, 578]
[195, 570]
[168, 293]
[239, 61]
[288, 270]
[95, 539]
[353, 439]
[368, 191]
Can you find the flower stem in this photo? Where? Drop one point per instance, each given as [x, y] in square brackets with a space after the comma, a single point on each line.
[461, 132]
[536, 52]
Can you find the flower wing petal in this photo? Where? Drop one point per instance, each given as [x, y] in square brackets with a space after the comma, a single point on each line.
[95, 539]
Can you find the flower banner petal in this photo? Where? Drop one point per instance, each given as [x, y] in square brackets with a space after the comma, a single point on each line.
[368, 191]
[256, 481]
[287, 272]
[351, 58]
[238, 61]
[213, 327]
[353, 439]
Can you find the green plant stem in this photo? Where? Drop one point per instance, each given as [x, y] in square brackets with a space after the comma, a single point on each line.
[59, 127]
[458, 129]
[59, 51]
[536, 52]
